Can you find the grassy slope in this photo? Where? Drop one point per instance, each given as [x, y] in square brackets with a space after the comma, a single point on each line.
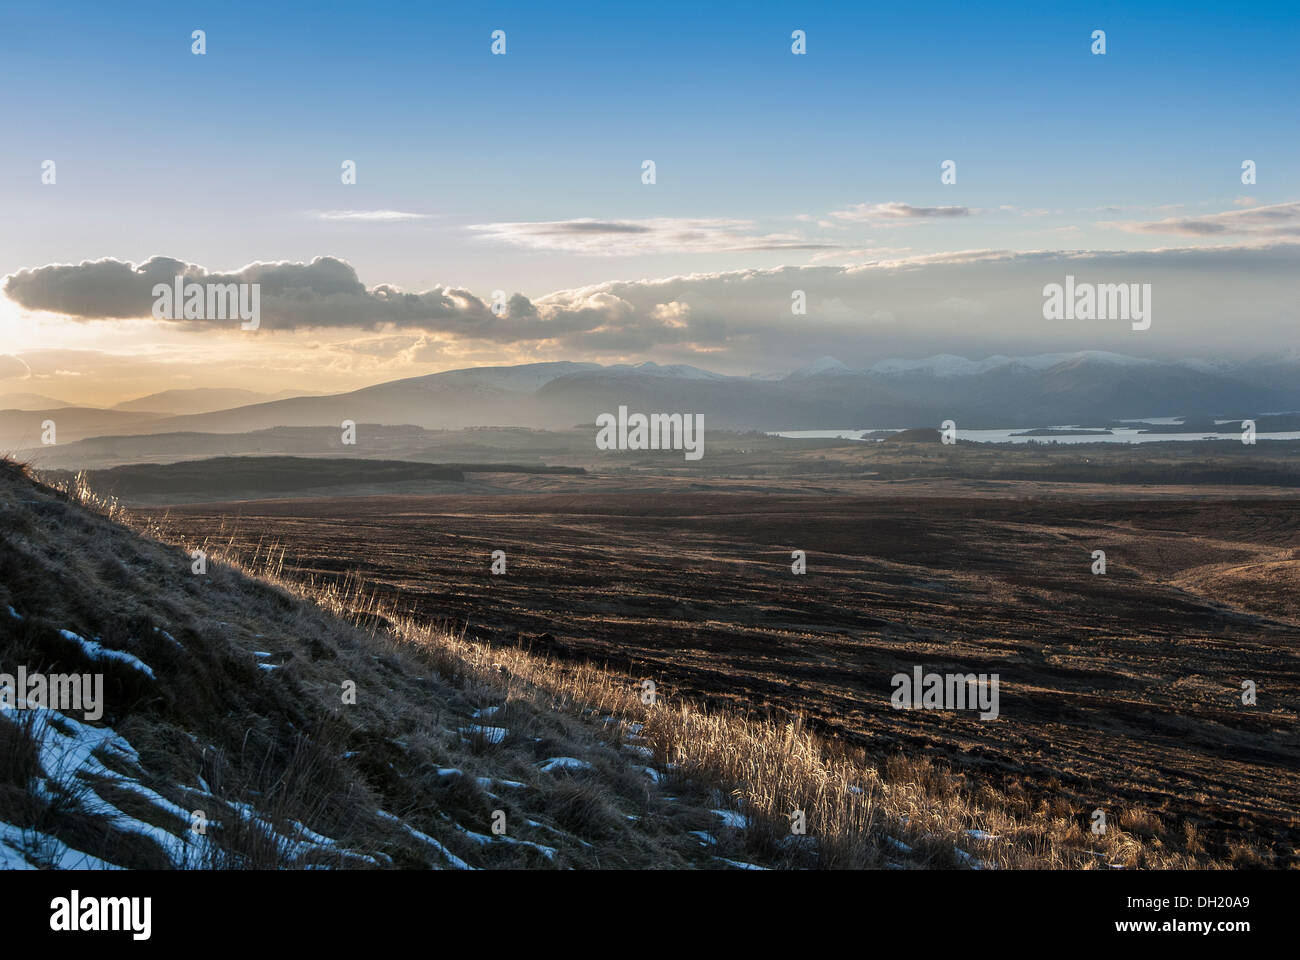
[245, 720]
[216, 729]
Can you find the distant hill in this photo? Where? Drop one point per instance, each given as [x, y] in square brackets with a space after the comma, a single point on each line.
[221, 475]
[915, 435]
[496, 446]
[248, 478]
[1087, 387]
[23, 429]
[29, 401]
[199, 400]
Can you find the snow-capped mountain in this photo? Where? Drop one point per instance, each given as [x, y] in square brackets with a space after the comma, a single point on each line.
[824, 366]
[947, 365]
[651, 369]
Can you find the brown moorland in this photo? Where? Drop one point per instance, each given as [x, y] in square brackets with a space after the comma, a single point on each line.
[1120, 692]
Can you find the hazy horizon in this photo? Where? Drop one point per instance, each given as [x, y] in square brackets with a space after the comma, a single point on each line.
[977, 365]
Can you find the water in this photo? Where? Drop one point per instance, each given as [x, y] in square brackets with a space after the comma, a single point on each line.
[1117, 434]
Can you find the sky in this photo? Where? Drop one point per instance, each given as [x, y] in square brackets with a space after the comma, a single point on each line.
[523, 173]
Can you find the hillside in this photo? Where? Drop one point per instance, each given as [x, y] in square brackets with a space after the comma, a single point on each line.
[250, 477]
[224, 697]
[199, 400]
[29, 401]
[227, 735]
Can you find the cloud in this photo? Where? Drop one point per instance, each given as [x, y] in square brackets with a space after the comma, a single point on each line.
[1215, 300]
[323, 293]
[858, 254]
[51, 364]
[385, 216]
[13, 366]
[1218, 301]
[1131, 207]
[675, 314]
[619, 238]
[898, 212]
[1275, 220]
[1025, 211]
[961, 307]
[93, 288]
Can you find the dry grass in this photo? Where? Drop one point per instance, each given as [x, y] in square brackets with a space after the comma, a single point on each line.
[275, 748]
[856, 812]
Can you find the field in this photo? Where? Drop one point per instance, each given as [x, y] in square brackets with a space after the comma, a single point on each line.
[1120, 692]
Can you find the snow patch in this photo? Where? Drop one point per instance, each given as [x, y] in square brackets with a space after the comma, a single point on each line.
[898, 845]
[565, 763]
[490, 734]
[96, 651]
[732, 819]
[424, 838]
[973, 862]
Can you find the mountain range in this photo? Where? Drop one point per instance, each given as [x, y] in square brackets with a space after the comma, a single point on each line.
[1088, 387]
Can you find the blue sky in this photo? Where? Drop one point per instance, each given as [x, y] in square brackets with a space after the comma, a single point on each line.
[232, 157]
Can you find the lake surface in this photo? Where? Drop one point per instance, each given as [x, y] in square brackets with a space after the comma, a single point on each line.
[1117, 434]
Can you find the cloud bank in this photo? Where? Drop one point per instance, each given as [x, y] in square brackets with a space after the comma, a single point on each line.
[1214, 301]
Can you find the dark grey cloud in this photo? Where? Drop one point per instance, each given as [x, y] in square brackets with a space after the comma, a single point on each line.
[94, 288]
[323, 293]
